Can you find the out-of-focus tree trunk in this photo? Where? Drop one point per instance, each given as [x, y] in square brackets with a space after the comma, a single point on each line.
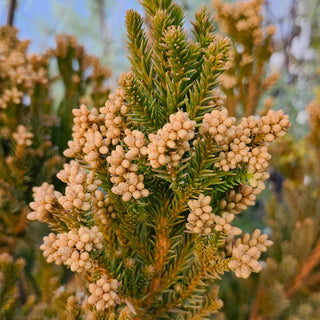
[11, 11]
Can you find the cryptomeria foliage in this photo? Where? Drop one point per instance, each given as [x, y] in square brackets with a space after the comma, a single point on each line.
[29, 157]
[83, 80]
[247, 78]
[288, 286]
[26, 120]
[292, 271]
[159, 173]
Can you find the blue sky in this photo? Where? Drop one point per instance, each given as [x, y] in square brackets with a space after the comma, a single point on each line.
[41, 19]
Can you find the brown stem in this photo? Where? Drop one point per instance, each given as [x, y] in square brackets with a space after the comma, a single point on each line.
[301, 279]
[254, 314]
[161, 250]
[11, 12]
[231, 105]
[251, 98]
[162, 246]
[194, 282]
[306, 269]
[313, 279]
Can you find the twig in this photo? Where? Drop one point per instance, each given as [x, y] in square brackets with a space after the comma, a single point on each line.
[254, 314]
[312, 279]
[308, 266]
[11, 12]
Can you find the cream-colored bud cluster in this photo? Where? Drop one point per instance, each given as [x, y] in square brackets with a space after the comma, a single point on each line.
[201, 220]
[219, 98]
[99, 70]
[73, 248]
[7, 260]
[257, 180]
[271, 79]
[258, 159]
[104, 210]
[262, 131]
[88, 138]
[246, 59]
[127, 313]
[115, 110]
[62, 44]
[135, 140]
[16, 71]
[80, 185]
[95, 145]
[314, 115]
[246, 252]
[94, 131]
[22, 136]
[13, 95]
[80, 191]
[274, 125]
[223, 224]
[245, 80]
[217, 124]
[243, 17]
[232, 139]
[45, 199]
[126, 79]
[127, 182]
[75, 302]
[235, 202]
[201, 217]
[171, 141]
[40, 68]
[235, 140]
[237, 153]
[38, 60]
[67, 43]
[228, 81]
[104, 293]
[268, 103]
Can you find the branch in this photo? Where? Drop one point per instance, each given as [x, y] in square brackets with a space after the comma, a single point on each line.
[312, 279]
[254, 314]
[306, 269]
[186, 292]
[11, 12]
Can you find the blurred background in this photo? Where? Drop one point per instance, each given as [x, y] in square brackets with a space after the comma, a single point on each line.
[99, 26]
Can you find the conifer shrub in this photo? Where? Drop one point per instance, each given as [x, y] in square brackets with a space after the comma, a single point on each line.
[26, 152]
[29, 156]
[157, 177]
